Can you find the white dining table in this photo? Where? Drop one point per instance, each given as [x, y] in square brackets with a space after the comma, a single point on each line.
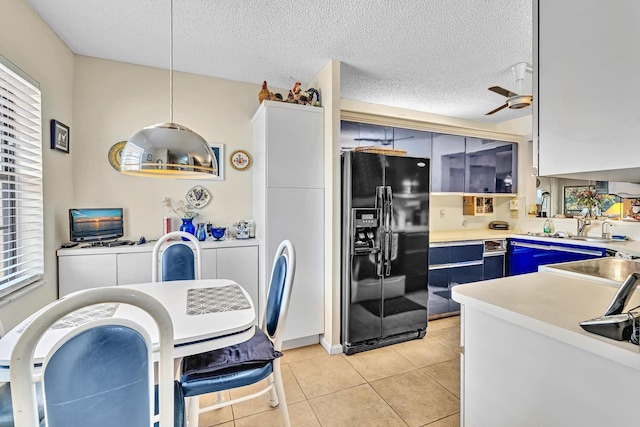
[206, 315]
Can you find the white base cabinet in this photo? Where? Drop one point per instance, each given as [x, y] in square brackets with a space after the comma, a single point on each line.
[86, 271]
[85, 268]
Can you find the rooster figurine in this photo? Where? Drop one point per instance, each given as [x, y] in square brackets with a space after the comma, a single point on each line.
[264, 92]
[304, 97]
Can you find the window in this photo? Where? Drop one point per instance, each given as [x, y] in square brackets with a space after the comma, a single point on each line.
[579, 199]
[21, 222]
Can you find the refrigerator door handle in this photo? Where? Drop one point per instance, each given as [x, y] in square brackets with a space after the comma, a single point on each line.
[382, 233]
[388, 214]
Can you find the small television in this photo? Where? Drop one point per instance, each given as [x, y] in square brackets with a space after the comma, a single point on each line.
[95, 225]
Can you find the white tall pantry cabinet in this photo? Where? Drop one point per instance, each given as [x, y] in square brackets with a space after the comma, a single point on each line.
[288, 203]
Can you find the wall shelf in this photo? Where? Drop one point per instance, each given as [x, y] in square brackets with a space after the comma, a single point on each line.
[477, 205]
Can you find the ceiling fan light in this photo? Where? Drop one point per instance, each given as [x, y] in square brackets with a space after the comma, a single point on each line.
[520, 101]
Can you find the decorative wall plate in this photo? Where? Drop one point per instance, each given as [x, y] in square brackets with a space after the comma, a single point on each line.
[114, 154]
[198, 197]
[240, 160]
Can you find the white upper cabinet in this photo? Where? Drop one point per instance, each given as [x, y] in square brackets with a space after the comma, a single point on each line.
[292, 162]
[586, 88]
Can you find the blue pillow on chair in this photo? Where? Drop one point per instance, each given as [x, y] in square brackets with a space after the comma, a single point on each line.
[254, 352]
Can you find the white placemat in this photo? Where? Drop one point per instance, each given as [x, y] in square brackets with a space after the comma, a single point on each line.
[82, 316]
[213, 300]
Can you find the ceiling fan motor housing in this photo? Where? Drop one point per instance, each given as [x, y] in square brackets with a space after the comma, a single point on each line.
[520, 101]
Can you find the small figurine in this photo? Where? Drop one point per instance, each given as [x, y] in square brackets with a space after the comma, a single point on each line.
[304, 97]
[295, 96]
[264, 92]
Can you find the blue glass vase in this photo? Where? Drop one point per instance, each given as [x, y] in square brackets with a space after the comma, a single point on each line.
[201, 232]
[187, 226]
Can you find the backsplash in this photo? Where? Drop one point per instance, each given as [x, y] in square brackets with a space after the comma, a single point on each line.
[445, 213]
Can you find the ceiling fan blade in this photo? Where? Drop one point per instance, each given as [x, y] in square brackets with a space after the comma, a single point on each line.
[503, 92]
[382, 140]
[496, 110]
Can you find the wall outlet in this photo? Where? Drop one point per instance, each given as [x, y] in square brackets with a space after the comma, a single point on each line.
[442, 212]
[514, 205]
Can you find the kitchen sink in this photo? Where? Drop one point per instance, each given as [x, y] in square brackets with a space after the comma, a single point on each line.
[555, 236]
[564, 236]
[593, 239]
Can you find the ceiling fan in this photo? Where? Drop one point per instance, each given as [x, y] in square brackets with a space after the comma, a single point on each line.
[383, 141]
[514, 100]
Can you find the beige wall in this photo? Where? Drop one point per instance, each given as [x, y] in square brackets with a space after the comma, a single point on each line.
[28, 43]
[113, 100]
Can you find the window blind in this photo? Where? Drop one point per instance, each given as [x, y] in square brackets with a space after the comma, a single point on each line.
[21, 222]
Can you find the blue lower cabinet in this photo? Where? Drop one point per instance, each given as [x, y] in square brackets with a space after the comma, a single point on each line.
[493, 267]
[439, 294]
[460, 275]
[525, 256]
[449, 265]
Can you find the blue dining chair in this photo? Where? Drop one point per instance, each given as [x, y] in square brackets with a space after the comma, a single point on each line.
[101, 372]
[251, 361]
[178, 260]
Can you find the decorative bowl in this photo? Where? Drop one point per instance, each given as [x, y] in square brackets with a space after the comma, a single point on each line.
[218, 232]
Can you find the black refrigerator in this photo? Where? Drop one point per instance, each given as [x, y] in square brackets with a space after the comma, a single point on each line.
[385, 249]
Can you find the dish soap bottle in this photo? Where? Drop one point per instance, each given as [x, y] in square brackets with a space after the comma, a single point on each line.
[547, 227]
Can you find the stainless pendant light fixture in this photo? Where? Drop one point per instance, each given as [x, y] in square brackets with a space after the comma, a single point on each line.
[168, 150]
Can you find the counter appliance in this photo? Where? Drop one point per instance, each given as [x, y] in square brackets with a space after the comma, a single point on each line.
[385, 249]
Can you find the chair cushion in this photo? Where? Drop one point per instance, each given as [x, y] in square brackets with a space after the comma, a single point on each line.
[105, 367]
[252, 353]
[276, 293]
[225, 379]
[178, 263]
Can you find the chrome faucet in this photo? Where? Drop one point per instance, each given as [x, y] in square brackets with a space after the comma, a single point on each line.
[606, 235]
[582, 224]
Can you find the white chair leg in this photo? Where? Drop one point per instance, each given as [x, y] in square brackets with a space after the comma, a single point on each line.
[219, 397]
[280, 390]
[193, 411]
[273, 395]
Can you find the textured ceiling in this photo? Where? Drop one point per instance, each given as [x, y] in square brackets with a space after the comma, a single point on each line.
[437, 56]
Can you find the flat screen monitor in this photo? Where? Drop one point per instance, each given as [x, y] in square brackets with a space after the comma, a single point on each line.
[95, 225]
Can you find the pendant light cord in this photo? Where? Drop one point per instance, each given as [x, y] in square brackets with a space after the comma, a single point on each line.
[171, 65]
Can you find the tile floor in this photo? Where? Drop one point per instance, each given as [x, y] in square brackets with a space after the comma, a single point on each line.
[415, 383]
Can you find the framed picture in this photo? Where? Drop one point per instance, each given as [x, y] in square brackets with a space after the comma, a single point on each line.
[218, 151]
[60, 136]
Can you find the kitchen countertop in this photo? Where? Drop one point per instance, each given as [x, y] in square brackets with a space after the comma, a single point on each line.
[630, 247]
[473, 234]
[553, 305]
[81, 249]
